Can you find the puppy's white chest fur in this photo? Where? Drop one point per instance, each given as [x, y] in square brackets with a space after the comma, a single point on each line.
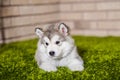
[73, 61]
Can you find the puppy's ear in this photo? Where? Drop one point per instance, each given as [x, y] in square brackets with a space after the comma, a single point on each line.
[39, 32]
[64, 29]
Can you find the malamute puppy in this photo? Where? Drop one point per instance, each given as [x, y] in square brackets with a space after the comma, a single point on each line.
[57, 48]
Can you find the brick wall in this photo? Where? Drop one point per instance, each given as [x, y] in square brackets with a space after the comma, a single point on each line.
[18, 18]
[0, 23]
[92, 17]
[1, 38]
[0, 31]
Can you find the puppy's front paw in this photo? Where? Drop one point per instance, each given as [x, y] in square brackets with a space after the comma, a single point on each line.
[76, 68]
[48, 68]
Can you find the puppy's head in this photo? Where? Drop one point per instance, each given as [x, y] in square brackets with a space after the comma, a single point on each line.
[55, 41]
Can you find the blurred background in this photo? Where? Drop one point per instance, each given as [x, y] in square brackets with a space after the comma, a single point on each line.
[18, 18]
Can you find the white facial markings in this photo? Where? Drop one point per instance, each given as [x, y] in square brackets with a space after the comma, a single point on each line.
[52, 45]
[54, 39]
[46, 41]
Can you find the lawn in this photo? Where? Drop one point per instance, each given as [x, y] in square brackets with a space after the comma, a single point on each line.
[101, 60]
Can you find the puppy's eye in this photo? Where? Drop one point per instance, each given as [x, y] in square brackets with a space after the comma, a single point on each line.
[46, 43]
[57, 42]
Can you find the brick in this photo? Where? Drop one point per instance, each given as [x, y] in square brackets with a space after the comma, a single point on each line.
[108, 5]
[85, 25]
[88, 32]
[0, 11]
[65, 7]
[43, 1]
[114, 32]
[19, 2]
[0, 2]
[114, 15]
[16, 21]
[26, 10]
[23, 2]
[71, 16]
[63, 1]
[68, 1]
[27, 20]
[0, 34]
[44, 9]
[96, 33]
[20, 20]
[94, 16]
[1, 41]
[7, 22]
[81, 24]
[10, 11]
[109, 25]
[45, 18]
[23, 10]
[5, 2]
[0, 22]
[19, 31]
[38, 9]
[83, 6]
[93, 25]
[20, 38]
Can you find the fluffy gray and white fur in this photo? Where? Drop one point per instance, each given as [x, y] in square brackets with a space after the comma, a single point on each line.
[56, 48]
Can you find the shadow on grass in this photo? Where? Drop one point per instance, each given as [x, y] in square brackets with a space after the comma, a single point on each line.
[81, 51]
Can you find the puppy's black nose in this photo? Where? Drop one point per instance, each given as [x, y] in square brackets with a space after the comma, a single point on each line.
[52, 53]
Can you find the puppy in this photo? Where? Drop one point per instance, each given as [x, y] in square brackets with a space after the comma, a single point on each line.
[56, 48]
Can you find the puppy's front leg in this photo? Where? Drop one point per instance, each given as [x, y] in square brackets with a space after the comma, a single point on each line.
[48, 67]
[76, 65]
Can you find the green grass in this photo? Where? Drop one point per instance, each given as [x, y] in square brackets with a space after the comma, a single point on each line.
[101, 60]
